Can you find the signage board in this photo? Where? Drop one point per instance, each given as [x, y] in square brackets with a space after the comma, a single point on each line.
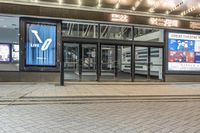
[40, 44]
[119, 18]
[183, 52]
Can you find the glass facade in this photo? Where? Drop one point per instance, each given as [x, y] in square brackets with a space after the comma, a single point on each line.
[116, 32]
[77, 29]
[9, 43]
[148, 34]
[116, 60]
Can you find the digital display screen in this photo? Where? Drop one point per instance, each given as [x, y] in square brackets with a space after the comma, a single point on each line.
[15, 53]
[4, 53]
[41, 45]
[183, 52]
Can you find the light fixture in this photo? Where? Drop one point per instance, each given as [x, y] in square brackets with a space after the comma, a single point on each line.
[99, 4]
[193, 8]
[156, 5]
[151, 10]
[175, 7]
[133, 8]
[60, 2]
[79, 2]
[117, 5]
[137, 3]
[150, 2]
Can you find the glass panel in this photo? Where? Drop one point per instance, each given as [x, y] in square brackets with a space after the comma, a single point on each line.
[89, 62]
[148, 34]
[9, 43]
[116, 32]
[141, 63]
[107, 62]
[124, 63]
[156, 62]
[76, 29]
[71, 61]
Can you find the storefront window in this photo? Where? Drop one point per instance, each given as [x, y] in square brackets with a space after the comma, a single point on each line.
[116, 32]
[77, 29]
[148, 34]
[9, 43]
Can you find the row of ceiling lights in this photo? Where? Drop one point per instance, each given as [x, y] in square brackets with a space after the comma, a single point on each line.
[138, 2]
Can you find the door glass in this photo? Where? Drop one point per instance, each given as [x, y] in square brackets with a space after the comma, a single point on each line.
[107, 62]
[71, 61]
[89, 62]
[124, 63]
[141, 63]
[156, 62]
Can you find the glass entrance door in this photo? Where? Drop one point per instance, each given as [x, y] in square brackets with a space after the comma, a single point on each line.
[89, 65]
[148, 63]
[123, 63]
[116, 62]
[71, 61]
[141, 63]
[108, 62]
[156, 63]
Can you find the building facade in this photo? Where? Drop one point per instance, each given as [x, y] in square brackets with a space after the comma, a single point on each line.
[54, 41]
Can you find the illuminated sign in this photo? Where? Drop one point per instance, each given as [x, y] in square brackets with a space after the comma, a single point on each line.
[120, 18]
[41, 45]
[163, 22]
[195, 25]
[183, 52]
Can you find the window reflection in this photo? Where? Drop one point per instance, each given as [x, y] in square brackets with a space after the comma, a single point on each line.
[148, 34]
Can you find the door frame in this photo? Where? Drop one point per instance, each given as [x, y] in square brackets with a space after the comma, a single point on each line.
[149, 46]
[116, 59]
[80, 44]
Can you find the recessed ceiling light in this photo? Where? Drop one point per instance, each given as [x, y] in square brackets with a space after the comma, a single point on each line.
[79, 2]
[60, 2]
[151, 10]
[117, 6]
[133, 8]
[99, 4]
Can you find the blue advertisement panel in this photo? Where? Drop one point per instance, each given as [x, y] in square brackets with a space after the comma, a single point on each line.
[40, 45]
[183, 52]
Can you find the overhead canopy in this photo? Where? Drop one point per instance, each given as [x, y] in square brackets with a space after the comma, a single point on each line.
[184, 8]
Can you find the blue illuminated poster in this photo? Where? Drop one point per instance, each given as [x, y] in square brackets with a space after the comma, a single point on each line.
[183, 52]
[41, 45]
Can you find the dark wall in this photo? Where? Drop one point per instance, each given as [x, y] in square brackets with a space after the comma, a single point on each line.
[29, 77]
[182, 78]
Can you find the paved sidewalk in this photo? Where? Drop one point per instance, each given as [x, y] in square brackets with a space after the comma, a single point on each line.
[17, 90]
[145, 117]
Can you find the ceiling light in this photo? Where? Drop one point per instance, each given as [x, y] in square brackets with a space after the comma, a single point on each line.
[133, 8]
[117, 6]
[151, 10]
[137, 3]
[79, 2]
[60, 2]
[99, 4]
[150, 2]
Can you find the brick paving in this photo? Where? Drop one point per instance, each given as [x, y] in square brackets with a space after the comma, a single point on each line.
[135, 117]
